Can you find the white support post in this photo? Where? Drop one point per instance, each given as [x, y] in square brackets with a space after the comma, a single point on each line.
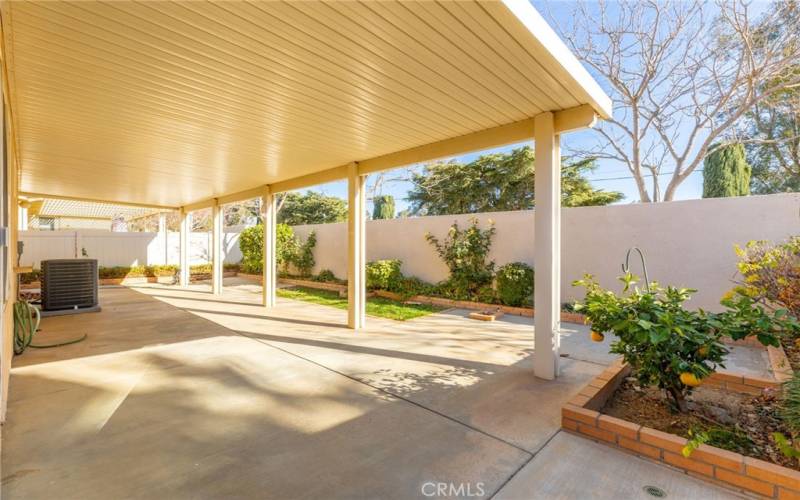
[270, 275]
[356, 249]
[547, 251]
[186, 230]
[216, 248]
[22, 217]
[162, 232]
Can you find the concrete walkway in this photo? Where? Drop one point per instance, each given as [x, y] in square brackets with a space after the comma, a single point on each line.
[180, 394]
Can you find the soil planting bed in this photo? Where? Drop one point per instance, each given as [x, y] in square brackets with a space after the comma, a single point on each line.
[792, 349]
[737, 412]
[739, 423]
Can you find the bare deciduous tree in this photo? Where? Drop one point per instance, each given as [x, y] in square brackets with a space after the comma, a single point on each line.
[681, 74]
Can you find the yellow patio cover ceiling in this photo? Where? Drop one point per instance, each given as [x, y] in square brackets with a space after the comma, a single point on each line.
[170, 103]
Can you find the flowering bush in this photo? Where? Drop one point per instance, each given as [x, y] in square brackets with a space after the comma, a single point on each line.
[465, 252]
[771, 273]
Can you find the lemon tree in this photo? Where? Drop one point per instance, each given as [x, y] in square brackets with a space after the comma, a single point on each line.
[667, 345]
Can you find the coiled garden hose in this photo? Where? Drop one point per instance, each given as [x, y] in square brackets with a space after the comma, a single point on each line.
[26, 324]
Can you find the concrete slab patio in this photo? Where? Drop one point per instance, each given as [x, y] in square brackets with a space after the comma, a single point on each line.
[181, 394]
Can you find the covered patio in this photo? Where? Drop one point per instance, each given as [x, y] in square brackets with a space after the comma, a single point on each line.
[217, 397]
[194, 106]
[182, 393]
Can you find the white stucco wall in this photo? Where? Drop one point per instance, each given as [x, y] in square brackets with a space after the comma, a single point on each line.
[686, 243]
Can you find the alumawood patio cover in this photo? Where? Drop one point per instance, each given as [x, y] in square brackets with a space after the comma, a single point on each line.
[196, 104]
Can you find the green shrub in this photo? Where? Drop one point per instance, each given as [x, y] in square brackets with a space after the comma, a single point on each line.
[515, 284]
[486, 294]
[200, 269]
[790, 404]
[326, 276]
[410, 286]
[384, 274]
[120, 272]
[251, 242]
[30, 277]
[303, 256]
[154, 271]
[465, 253]
[790, 413]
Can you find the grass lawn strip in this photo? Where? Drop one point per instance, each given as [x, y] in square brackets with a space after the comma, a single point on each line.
[376, 306]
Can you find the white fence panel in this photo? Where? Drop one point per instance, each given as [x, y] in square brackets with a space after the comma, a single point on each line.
[122, 249]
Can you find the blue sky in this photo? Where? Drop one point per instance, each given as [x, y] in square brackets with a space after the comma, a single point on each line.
[609, 175]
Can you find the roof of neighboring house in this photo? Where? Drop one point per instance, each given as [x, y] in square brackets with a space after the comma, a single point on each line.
[85, 210]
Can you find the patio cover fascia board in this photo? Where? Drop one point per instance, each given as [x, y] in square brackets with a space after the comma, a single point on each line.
[567, 120]
[550, 45]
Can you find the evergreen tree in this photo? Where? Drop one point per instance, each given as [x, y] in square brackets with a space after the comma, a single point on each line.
[383, 207]
[496, 182]
[311, 208]
[726, 173]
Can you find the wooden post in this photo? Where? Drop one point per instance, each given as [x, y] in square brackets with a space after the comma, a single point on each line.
[270, 275]
[216, 248]
[186, 230]
[356, 249]
[547, 242]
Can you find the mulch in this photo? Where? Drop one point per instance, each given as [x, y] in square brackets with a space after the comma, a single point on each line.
[736, 422]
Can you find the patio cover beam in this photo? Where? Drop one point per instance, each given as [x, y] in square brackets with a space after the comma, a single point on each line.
[566, 120]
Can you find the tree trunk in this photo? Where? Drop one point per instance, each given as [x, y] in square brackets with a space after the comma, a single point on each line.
[679, 399]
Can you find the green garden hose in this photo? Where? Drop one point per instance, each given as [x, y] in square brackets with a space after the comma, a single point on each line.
[26, 324]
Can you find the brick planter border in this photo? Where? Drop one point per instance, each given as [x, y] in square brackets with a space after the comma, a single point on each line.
[732, 470]
[566, 317]
[478, 306]
[137, 280]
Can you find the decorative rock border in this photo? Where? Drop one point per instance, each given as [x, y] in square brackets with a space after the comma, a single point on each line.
[732, 470]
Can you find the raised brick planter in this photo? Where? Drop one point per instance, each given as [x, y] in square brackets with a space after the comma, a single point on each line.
[319, 285]
[566, 317]
[732, 470]
[478, 306]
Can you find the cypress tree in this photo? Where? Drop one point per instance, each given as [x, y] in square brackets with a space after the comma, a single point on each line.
[383, 207]
[726, 173]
